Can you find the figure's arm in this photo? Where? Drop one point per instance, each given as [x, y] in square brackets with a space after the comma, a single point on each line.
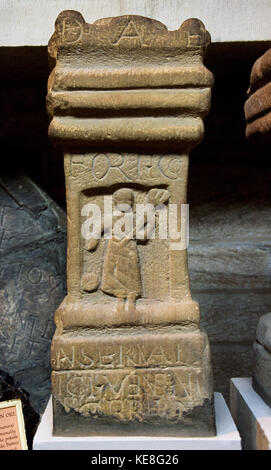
[147, 229]
[93, 242]
[156, 197]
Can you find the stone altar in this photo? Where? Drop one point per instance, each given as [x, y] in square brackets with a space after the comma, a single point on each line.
[257, 106]
[126, 98]
[258, 131]
[261, 380]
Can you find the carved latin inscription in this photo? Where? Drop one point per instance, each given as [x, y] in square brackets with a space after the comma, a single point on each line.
[132, 167]
[147, 351]
[131, 395]
[130, 31]
[72, 30]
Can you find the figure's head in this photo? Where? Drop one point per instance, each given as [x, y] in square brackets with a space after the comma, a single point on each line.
[124, 196]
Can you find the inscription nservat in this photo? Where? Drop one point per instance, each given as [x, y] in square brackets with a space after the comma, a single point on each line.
[131, 395]
[103, 167]
[122, 354]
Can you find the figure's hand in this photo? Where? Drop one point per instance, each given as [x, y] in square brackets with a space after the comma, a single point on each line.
[157, 196]
[92, 244]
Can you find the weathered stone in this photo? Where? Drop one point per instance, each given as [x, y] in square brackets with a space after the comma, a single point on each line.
[258, 117]
[128, 352]
[251, 414]
[32, 247]
[135, 378]
[231, 316]
[263, 334]
[244, 264]
[258, 105]
[229, 249]
[230, 360]
[227, 183]
[261, 379]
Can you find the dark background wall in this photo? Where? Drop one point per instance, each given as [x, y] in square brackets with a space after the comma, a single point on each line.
[230, 215]
[229, 194]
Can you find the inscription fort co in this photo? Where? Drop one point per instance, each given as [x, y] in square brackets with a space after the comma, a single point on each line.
[129, 167]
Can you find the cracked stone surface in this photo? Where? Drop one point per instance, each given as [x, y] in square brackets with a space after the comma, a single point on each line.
[33, 251]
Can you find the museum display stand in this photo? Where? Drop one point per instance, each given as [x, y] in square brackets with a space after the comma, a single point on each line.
[251, 414]
[227, 437]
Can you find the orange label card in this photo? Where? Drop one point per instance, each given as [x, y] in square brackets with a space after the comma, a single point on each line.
[12, 430]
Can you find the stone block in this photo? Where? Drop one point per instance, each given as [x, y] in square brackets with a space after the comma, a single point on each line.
[230, 360]
[125, 382]
[251, 414]
[242, 265]
[33, 249]
[261, 379]
[126, 99]
[232, 316]
[257, 106]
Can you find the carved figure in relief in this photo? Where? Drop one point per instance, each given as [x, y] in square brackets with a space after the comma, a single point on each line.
[121, 271]
[121, 276]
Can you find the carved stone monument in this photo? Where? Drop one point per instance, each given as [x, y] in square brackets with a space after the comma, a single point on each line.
[126, 99]
[32, 284]
[257, 106]
[261, 380]
[258, 130]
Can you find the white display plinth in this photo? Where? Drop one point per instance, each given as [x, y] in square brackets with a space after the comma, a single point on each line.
[251, 415]
[227, 437]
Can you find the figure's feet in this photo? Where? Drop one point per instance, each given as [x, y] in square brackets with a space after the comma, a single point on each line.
[131, 300]
[120, 305]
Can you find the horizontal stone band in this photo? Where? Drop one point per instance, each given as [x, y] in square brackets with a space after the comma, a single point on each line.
[259, 103]
[83, 103]
[82, 132]
[260, 126]
[70, 315]
[131, 77]
[120, 350]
